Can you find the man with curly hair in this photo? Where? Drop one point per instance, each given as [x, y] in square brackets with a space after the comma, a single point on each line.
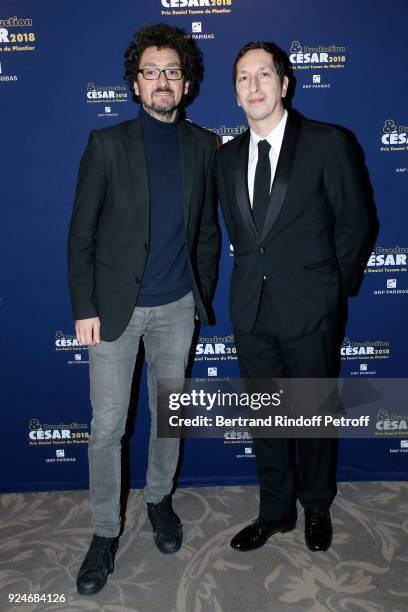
[143, 257]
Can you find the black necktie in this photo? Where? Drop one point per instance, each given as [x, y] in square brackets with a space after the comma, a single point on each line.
[262, 185]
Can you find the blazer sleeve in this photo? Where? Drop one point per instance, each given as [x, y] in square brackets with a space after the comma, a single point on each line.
[348, 200]
[208, 244]
[89, 198]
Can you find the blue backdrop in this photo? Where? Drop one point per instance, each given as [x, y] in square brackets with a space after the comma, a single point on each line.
[61, 67]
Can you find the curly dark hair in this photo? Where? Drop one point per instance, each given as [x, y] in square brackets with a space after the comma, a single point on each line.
[162, 35]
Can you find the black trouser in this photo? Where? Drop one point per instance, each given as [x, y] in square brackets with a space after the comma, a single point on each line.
[263, 354]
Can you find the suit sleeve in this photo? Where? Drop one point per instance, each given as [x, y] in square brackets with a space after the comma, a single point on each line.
[226, 213]
[208, 244]
[89, 198]
[348, 199]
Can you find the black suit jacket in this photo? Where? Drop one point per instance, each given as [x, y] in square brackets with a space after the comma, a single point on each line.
[315, 232]
[109, 232]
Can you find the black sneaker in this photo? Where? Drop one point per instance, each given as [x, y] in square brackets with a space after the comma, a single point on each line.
[167, 527]
[97, 564]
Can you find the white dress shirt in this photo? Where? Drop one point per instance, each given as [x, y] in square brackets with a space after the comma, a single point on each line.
[275, 139]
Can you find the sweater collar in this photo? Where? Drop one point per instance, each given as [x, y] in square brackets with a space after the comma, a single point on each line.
[155, 125]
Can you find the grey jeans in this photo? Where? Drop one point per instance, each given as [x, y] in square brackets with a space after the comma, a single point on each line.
[167, 333]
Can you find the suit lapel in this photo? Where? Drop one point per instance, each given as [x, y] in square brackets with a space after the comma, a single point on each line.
[137, 159]
[241, 184]
[188, 161]
[282, 174]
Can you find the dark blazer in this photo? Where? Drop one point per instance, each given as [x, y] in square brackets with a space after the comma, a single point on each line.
[109, 232]
[315, 232]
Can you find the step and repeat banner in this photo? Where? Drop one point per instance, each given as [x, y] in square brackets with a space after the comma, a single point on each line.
[61, 75]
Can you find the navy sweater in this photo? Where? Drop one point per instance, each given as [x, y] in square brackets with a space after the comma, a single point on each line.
[166, 277]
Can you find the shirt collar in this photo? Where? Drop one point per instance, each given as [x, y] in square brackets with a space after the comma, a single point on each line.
[275, 137]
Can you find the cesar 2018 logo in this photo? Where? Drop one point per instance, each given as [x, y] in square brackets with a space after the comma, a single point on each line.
[394, 134]
[330, 56]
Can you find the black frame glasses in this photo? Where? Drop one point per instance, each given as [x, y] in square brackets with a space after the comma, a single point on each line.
[169, 73]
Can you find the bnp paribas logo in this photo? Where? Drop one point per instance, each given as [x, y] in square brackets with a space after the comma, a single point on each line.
[394, 136]
[5, 78]
[198, 33]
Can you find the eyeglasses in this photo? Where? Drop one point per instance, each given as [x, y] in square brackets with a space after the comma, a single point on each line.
[153, 74]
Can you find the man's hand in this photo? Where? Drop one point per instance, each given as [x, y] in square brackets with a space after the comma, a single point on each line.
[87, 331]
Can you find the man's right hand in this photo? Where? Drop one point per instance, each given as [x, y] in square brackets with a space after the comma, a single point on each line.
[88, 331]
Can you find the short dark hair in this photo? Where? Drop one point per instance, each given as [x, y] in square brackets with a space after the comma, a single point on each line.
[164, 36]
[280, 59]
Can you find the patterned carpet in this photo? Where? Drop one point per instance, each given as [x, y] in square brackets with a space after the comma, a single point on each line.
[45, 537]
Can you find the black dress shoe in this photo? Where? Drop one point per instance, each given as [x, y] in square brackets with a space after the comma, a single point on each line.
[318, 529]
[167, 527]
[97, 564]
[257, 533]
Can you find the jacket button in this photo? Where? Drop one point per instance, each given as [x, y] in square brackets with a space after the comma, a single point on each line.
[262, 250]
[137, 280]
[145, 246]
